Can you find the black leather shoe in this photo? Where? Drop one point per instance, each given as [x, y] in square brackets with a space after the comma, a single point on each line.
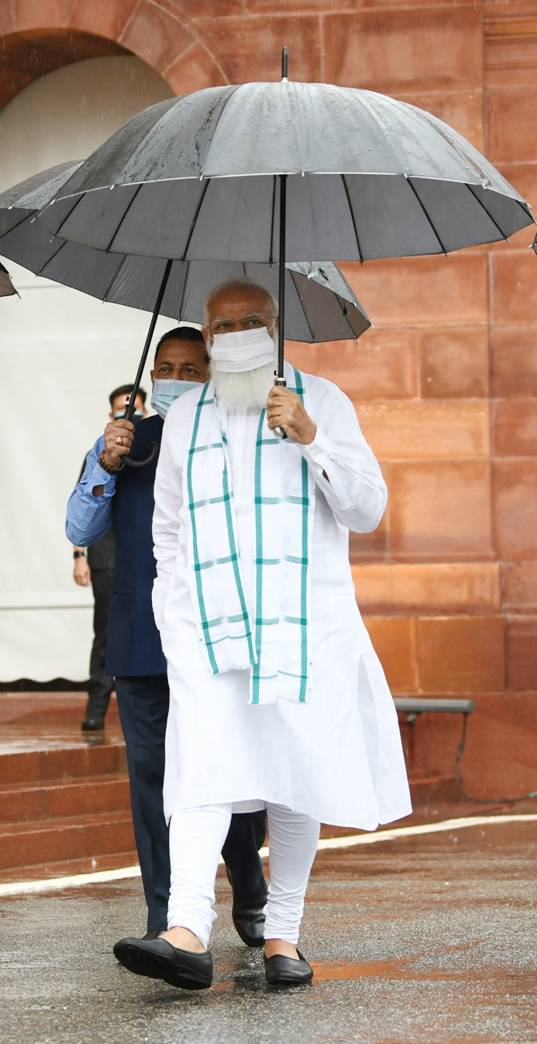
[249, 914]
[287, 971]
[92, 725]
[158, 959]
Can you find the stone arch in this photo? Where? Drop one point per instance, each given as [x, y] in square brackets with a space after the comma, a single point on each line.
[36, 38]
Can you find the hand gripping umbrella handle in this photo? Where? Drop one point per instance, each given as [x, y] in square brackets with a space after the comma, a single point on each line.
[280, 382]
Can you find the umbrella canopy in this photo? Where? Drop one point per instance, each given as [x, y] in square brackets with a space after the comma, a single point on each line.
[320, 304]
[199, 177]
[6, 286]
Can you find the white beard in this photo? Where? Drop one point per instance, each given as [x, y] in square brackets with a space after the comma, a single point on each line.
[243, 391]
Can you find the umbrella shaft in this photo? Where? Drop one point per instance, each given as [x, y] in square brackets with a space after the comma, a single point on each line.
[281, 289]
[129, 413]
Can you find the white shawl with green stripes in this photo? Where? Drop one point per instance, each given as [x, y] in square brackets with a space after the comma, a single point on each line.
[271, 637]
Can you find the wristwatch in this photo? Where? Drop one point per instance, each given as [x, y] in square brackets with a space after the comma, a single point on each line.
[79, 554]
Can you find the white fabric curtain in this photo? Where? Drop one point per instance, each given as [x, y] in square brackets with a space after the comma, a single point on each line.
[61, 353]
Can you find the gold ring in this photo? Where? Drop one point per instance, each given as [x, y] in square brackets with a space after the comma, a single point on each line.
[119, 440]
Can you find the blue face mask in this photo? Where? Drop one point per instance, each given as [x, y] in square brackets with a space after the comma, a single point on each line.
[167, 391]
[119, 415]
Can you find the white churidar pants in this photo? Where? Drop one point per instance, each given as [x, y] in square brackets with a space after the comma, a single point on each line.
[197, 836]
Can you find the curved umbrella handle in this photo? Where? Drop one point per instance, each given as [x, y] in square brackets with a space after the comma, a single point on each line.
[131, 462]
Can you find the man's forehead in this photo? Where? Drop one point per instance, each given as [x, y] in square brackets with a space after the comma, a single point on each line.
[175, 347]
[249, 298]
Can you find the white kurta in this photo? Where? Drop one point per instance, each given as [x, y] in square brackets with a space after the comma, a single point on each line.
[337, 757]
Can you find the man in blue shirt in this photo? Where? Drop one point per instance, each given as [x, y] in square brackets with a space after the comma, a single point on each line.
[111, 494]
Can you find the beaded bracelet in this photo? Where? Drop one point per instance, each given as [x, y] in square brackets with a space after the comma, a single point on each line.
[106, 467]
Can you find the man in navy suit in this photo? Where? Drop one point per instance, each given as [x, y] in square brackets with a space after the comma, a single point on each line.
[111, 494]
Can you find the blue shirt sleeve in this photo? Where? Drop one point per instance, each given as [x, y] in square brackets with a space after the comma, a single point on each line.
[90, 517]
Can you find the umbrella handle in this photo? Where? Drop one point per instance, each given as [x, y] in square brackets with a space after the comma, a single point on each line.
[131, 406]
[131, 462]
[280, 382]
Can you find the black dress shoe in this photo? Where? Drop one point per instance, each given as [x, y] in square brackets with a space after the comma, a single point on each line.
[158, 959]
[92, 725]
[153, 933]
[248, 914]
[287, 971]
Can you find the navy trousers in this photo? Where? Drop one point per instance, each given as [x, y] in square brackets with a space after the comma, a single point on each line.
[100, 683]
[143, 703]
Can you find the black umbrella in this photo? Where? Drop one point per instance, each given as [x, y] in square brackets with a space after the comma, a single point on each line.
[6, 286]
[321, 305]
[284, 170]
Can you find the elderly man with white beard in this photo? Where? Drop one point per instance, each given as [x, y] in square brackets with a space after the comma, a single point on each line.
[277, 698]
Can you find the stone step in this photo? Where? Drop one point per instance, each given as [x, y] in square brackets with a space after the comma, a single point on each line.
[38, 711]
[61, 759]
[65, 839]
[26, 802]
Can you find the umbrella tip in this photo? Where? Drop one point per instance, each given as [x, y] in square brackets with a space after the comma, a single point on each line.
[285, 63]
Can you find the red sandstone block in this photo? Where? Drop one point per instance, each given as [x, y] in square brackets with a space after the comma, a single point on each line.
[500, 747]
[522, 654]
[409, 50]
[41, 14]
[454, 363]
[104, 17]
[394, 641]
[513, 361]
[250, 47]
[269, 7]
[515, 428]
[193, 70]
[461, 110]
[430, 588]
[156, 36]
[510, 58]
[414, 3]
[381, 365]
[440, 509]
[461, 655]
[502, 740]
[423, 291]
[370, 545]
[426, 430]
[513, 285]
[519, 584]
[210, 8]
[6, 20]
[511, 125]
[514, 486]
[523, 177]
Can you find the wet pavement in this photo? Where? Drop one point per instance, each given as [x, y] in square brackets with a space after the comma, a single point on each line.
[428, 938]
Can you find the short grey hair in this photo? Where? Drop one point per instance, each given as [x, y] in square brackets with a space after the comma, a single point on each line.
[234, 284]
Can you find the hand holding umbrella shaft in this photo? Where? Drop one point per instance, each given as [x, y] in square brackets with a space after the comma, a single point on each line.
[118, 439]
[285, 410]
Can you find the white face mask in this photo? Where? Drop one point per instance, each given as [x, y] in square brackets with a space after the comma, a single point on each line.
[241, 351]
[167, 391]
